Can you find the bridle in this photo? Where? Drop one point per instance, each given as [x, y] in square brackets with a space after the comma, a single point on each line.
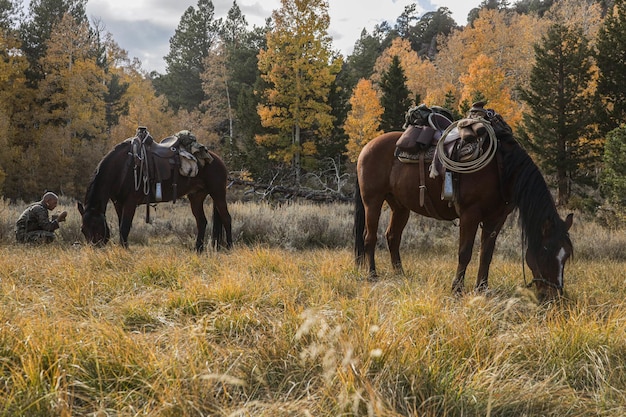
[541, 279]
[106, 228]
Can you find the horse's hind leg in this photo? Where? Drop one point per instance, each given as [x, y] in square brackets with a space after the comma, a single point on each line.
[397, 221]
[196, 201]
[372, 217]
[222, 221]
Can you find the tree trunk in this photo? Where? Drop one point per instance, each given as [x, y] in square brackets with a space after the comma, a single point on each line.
[562, 188]
[296, 156]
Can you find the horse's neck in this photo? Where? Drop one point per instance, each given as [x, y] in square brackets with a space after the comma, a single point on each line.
[105, 181]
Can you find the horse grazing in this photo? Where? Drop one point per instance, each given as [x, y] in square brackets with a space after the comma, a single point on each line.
[483, 198]
[116, 179]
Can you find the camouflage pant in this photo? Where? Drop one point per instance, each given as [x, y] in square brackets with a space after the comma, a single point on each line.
[36, 236]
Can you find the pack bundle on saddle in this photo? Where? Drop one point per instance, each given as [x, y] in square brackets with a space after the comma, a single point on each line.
[193, 155]
[423, 128]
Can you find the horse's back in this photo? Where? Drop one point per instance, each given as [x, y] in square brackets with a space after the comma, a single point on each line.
[382, 177]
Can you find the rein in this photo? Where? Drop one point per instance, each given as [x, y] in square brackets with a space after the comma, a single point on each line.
[541, 279]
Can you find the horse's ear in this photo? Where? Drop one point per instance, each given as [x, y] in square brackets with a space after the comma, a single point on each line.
[569, 220]
[81, 209]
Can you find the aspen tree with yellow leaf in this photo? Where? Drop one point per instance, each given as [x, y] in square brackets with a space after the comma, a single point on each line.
[299, 69]
[13, 95]
[363, 121]
[485, 78]
[73, 113]
[502, 35]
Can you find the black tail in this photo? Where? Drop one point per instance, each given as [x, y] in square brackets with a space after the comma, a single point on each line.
[218, 229]
[359, 226]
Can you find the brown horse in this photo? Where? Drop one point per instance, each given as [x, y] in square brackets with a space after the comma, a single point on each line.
[484, 198]
[114, 180]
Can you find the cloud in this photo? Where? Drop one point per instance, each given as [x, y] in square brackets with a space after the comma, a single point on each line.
[144, 27]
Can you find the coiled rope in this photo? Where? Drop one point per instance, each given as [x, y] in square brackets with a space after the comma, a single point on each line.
[475, 165]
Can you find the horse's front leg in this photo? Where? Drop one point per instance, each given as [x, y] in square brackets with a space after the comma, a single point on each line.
[467, 233]
[125, 214]
[488, 238]
[397, 221]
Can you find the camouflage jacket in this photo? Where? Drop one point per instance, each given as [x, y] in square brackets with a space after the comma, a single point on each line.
[35, 217]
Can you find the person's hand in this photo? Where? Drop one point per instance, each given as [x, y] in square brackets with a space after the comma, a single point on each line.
[62, 216]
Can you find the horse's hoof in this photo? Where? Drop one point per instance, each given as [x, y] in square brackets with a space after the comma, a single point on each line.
[457, 290]
[372, 277]
[481, 289]
[399, 271]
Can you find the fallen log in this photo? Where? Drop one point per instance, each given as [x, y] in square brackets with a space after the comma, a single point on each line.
[269, 190]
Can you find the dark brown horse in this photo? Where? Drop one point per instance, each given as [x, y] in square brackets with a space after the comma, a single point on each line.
[484, 198]
[114, 180]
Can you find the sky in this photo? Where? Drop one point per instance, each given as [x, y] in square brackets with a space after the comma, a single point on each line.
[144, 27]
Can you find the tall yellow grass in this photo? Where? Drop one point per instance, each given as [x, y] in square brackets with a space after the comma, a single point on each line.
[291, 328]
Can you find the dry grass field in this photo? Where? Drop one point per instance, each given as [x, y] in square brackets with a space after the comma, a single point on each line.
[284, 325]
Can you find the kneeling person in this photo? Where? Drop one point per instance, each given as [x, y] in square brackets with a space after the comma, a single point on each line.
[34, 225]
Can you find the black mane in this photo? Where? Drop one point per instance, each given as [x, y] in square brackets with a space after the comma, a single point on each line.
[530, 193]
[93, 200]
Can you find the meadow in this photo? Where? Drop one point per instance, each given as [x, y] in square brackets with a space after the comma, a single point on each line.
[285, 325]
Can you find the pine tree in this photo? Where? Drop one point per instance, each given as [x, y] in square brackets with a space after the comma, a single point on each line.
[558, 126]
[614, 173]
[231, 67]
[611, 61]
[360, 64]
[8, 12]
[418, 71]
[194, 37]
[35, 32]
[395, 97]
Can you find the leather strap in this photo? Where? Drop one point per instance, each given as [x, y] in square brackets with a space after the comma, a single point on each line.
[422, 181]
[425, 200]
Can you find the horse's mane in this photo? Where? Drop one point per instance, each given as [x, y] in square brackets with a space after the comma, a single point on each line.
[529, 191]
[92, 195]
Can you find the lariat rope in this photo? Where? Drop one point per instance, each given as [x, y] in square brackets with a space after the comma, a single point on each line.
[468, 166]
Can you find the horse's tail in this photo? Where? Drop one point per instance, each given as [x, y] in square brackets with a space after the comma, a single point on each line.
[218, 229]
[359, 226]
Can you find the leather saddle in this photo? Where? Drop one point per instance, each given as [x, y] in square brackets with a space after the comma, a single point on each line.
[157, 162]
[165, 157]
[167, 148]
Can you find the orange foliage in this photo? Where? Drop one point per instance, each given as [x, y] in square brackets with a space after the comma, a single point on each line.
[483, 76]
[363, 121]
